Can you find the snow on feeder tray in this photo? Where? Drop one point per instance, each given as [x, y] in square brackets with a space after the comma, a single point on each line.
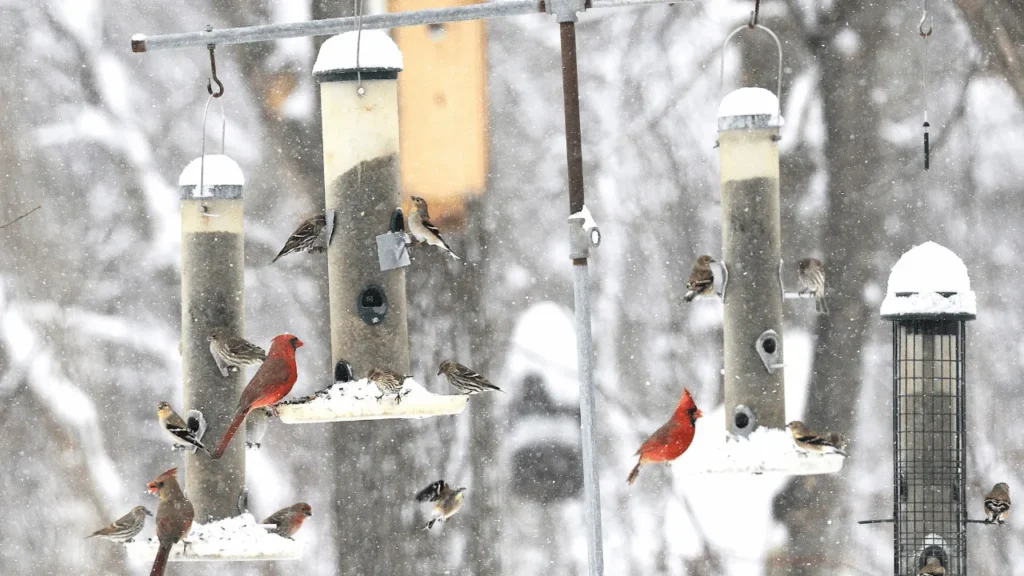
[238, 538]
[358, 400]
[763, 451]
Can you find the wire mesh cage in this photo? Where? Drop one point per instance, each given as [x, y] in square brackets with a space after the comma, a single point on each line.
[929, 511]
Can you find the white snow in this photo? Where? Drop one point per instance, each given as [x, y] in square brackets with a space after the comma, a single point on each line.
[219, 170]
[748, 101]
[929, 279]
[357, 400]
[236, 538]
[765, 450]
[544, 429]
[376, 51]
[586, 216]
[544, 344]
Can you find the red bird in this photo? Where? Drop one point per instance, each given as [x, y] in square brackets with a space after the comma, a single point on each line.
[173, 517]
[672, 439]
[272, 382]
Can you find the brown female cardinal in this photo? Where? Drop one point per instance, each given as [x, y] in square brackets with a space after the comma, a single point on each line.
[173, 517]
[672, 439]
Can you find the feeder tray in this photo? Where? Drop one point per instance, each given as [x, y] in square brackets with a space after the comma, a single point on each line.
[239, 538]
[357, 400]
[764, 451]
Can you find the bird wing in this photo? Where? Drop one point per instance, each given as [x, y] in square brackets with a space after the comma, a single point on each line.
[432, 493]
[996, 504]
[425, 220]
[700, 278]
[471, 374]
[178, 428]
[272, 372]
[242, 347]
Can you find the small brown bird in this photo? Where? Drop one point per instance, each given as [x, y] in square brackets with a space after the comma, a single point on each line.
[423, 230]
[997, 503]
[810, 441]
[256, 424]
[289, 520]
[465, 380]
[125, 528]
[388, 382]
[173, 517]
[305, 238]
[811, 273]
[183, 436]
[932, 568]
[702, 279]
[233, 352]
[446, 501]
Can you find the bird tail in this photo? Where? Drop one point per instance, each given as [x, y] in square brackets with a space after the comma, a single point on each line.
[161, 559]
[223, 445]
[634, 473]
[819, 304]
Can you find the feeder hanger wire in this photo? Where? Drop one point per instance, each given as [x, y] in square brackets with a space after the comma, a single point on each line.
[756, 13]
[924, 28]
[357, 8]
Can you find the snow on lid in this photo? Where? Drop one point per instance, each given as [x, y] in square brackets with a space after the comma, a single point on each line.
[357, 400]
[748, 102]
[219, 170]
[930, 280]
[586, 216]
[376, 51]
[236, 538]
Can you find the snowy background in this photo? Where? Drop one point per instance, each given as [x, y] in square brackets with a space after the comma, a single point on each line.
[90, 298]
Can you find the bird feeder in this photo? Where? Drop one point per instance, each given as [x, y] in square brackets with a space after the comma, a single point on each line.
[240, 538]
[359, 400]
[929, 301]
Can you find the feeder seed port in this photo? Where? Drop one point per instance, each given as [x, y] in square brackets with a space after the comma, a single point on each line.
[372, 304]
[744, 419]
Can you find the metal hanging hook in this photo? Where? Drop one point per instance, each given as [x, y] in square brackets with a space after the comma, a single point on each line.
[778, 46]
[754, 14]
[924, 27]
[213, 71]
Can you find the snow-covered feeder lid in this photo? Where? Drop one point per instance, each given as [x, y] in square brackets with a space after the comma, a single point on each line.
[379, 57]
[358, 400]
[763, 451]
[231, 539]
[220, 176]
[929, 281]
[749, 109]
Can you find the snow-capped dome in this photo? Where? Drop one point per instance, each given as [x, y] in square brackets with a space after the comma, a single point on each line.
[749, 108]
[929, 280]
[377, 51]
[218, 170]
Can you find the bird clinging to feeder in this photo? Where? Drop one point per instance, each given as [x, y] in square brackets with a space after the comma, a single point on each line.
[233, 352]
[287, 521]
[447, 501]
[672, 439]
[423, 230]
[125, 528]
[811, 273]
[932, 568]
[306, 238]
[465, 380]
[997, 503]
[702, 279]
[183, 435]
[810, 441]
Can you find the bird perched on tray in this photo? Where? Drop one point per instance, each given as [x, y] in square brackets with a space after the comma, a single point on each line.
[811, 273]
[446, 501]
[672, 439]
[388, 382]
[287, 521]
[306, 238]
[464, 380]
[173, 517]
[808, 440]
[423, 230]
[256, 424]
[997, 503]
[932, 568]
[702, 279]
[125, 528]
[182, 434]
[271, 383]
[233, 352]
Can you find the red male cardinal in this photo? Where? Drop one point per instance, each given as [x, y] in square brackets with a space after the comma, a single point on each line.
[672, 439]
[272, 382]
[173, 517]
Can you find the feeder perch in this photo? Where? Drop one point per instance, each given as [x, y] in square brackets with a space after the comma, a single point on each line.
[239, 538]
[763, 451]
[358, 400]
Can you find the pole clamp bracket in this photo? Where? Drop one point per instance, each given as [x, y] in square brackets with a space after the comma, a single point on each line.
[565, 10]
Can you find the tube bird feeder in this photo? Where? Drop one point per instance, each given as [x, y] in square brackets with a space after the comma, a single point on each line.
[929, 301]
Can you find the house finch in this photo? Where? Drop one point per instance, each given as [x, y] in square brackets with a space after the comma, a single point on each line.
[672, 439]
[173, 517]
[233, 352]
[423, 230]
[997, 503]
[289, 520]
[446, 501]
[183, 436]
[702, 279]
[465, 380]
[810, 441]
[812, 281]
[125, 528]
[272, 382]
[932, 568]
[388, 382]
[305, 237]
[256, 424]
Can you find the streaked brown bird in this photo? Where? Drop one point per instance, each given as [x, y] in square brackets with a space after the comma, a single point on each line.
[446, 501]
[932, 568]
[173, 517]
[810, 441]
[702, 279]
[125, 528]
[305, 238]
[811, 273]
[256, 424]
[388, 382]
[233, 352]
[465, 380]
[997, 503]
[288, 520]
[423, 230]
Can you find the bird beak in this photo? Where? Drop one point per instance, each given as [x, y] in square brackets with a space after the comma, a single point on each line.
[152, 489]
[699, 413]
[298, 343]
[439, 372]
[147, 512]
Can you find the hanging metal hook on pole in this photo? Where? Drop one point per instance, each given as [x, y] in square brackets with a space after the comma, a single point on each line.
[213, 71]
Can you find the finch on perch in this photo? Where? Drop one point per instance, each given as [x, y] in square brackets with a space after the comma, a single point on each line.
[305, 237]
[672, 439]
[423, 230]
[388, 382]
[997, 503]
[446, 501]
[125, 528]
[183, 436]
[932, 568]
[271, 383]
[287, 521]
[811, 273]
[702, 279]
[173, 517]
[233, 352]
[465, 380]
[808, 440]
[256, 424]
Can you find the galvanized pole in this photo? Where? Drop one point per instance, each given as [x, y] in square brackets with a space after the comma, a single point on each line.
[212, 296]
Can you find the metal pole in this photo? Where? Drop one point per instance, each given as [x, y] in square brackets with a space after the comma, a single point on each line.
[212, 295]
[581, 293]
